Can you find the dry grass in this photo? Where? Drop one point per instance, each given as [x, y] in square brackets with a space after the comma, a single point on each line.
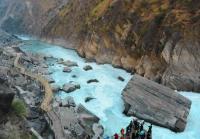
[101, 8]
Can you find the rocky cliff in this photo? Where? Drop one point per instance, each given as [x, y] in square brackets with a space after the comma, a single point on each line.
[156, 39]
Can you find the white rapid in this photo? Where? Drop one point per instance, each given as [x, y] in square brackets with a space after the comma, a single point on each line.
[108, 105]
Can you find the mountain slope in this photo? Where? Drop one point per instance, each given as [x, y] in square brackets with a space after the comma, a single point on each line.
[156, 39]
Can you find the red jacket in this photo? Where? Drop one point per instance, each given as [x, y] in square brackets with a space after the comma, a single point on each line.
[116, 136]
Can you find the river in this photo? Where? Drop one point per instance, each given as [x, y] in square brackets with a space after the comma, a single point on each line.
[108, 104]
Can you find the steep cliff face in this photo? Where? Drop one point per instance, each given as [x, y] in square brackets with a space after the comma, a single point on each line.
[132, 34]
[27, 16]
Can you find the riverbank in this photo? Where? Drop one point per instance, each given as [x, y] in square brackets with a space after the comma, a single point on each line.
[104, 94]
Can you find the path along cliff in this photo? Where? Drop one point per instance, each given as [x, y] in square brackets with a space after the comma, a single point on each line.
[46, 106]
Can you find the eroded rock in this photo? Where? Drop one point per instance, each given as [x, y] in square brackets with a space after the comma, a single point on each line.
[70, 87]
[87, 67]
[69, 63]
[67, 69]
[121, 78]
[55, 88]
[156, 104]
[183, 61]
[92, 81]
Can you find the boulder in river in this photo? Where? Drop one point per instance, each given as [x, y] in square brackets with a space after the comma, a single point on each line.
[74, 76]
[49, 79]
[156, 104]
[92, 81]
[68, 102]
[87, 67]
[70, 87]
[69, 63]
[121, 78]
[87, 99]
[55, 88]
[67, 69]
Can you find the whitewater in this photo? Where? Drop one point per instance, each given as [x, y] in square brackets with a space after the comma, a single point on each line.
[108, 103]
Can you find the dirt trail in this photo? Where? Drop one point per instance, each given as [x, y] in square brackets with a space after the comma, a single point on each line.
[48, 90]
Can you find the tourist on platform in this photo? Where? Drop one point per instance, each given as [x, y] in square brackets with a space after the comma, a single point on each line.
[149, 132]
[142, 126]
[131, 124]
[133, 135]
[136, 124]
[142, 134]
[122, 134]
[150, 128]
[116, 136]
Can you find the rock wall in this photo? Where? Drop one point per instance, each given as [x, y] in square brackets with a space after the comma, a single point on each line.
[183, 71]
[131, 34]
[6, 95]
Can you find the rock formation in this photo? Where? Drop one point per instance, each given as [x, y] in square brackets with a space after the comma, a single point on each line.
[130, 34]
[183, 70]
[156, 104]
[6, 95]
[67, 69]
[87, 67]
[74, 122]
[70, 87]
[92, 81]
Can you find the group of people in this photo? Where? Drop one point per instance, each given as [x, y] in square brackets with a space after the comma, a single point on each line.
[135, 130]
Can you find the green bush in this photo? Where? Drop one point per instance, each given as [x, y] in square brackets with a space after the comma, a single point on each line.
[19, 108]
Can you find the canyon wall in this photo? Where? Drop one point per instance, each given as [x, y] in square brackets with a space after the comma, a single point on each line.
[156, 39]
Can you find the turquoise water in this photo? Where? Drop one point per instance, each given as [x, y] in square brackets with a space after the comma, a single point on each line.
[108, 105]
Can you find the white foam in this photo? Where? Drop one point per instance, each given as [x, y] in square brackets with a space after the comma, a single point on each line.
[108, 105]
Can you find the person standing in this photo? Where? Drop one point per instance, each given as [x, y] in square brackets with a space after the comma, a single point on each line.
[116, 136]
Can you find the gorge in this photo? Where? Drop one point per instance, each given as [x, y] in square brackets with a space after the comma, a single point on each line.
[106, 62]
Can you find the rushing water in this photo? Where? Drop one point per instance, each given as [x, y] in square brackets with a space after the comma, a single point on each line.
[108, 105]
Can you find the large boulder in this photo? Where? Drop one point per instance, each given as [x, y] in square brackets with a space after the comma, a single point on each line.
[67, 69]
[68, 102]
[70, 87]
[92, 81]
[156, 104]
[69, 63]
[55, 88]
[49, 79]
[87, 67]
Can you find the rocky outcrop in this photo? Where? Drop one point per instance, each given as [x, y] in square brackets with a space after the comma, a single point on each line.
[121, 78]
[129, 34]
[92, 81]
[67, 69]
[70, 87]
[88, 99]
[69, 63]
[7, 39]
[74, 122]
[55, 88]
[87, 67]
[6, 95]
[36, 14]
[156, 104]
[183, 71]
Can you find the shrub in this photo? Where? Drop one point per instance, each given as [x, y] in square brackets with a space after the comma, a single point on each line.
[19, 107]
